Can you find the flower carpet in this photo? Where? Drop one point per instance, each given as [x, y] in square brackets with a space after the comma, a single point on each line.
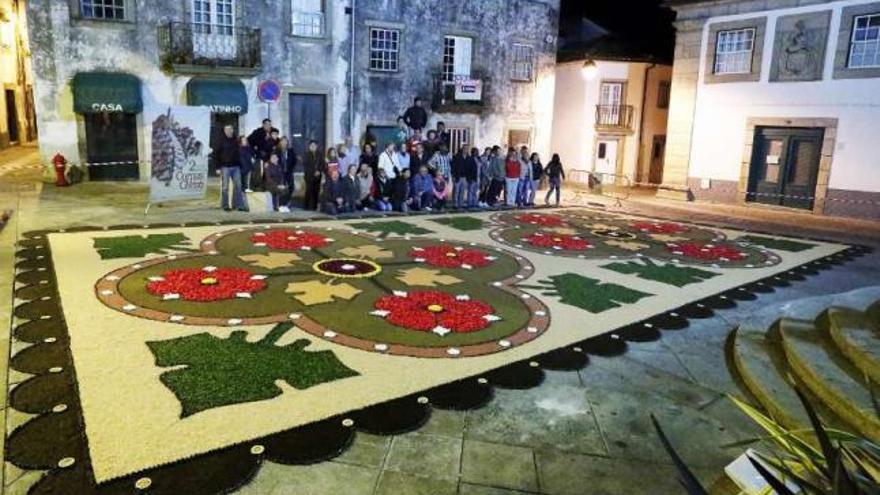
[176, 359]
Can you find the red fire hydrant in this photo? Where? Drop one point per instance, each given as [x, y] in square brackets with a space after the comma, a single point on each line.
[60, 164]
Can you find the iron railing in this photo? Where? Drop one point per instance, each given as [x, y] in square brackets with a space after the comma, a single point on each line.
[211, 45]
[445, 98]
[616, 116]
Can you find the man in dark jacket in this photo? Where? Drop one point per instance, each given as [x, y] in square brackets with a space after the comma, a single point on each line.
[226, 154]
[415, 117]
[418, 158]
[401, 199]
[314, 167]
[261, 139]
[333, 200]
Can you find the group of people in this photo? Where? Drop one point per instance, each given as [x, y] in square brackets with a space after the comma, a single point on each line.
[413, 171]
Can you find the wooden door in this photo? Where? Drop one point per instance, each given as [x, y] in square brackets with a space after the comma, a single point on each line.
[785, 166]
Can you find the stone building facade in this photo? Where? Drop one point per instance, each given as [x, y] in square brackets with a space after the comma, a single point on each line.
[776, 103]
[17, 124]
[216, 52]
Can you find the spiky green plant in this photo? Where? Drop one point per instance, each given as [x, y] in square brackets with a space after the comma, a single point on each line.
[842, 464]
[819, 460]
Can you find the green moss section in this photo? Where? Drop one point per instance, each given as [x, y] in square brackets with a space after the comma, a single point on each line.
[214, 372]
[462, 223]
[391, 227]
[587, 293]
[671, 274]
[780, 244]
[136, 246]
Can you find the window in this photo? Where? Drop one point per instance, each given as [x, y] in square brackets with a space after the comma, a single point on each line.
[384, 49]
[522, 62]
[308, 18]
[213, 16]
[733, 51]
[213, 27]
[663, 94]
[103, 9]
[457, 54]
[864, 49]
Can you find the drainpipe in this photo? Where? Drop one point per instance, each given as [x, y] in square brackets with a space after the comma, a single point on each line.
[642, 121]
[351, 66]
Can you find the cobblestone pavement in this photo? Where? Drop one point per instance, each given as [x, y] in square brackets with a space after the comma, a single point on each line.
[584, 432]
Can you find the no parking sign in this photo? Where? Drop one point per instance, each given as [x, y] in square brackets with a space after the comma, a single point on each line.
[269, 91]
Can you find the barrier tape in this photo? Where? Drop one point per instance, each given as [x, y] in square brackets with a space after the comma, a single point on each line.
[748, 194]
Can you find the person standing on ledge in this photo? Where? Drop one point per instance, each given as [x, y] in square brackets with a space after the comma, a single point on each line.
[228, 158]
[415, 117]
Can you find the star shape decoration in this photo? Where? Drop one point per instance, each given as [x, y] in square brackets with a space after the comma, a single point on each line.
[425, 277]
[367, 251]
[628, 245]
[270, 261]
[314, 292]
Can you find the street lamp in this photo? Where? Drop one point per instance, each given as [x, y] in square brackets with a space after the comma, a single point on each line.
[590, 70]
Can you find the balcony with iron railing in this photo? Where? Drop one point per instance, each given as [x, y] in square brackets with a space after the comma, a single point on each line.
[210, 49]
[460, 94]
[614, 117]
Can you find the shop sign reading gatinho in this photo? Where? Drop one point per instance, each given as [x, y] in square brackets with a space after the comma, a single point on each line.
[226, 108]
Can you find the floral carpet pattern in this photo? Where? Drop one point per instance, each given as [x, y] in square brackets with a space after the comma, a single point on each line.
[177, 359]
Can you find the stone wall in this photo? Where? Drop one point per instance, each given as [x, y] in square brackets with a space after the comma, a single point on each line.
[66, 44]
[795, 80]
[494, 25]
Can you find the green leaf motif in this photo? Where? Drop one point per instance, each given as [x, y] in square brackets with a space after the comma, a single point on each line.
[213, 372]
[391, 227]
[587, 293]
[780, 244]
[136, 246]
[669, 273]
[462, 223]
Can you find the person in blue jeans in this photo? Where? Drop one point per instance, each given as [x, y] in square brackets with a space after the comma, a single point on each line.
[555, 176]
[422, 190]
[459, 181]
[471, 173]
[227, 156]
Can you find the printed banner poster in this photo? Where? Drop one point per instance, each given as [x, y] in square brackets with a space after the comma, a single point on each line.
[180, 138]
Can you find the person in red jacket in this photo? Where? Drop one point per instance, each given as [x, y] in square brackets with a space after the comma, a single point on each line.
[511, 173]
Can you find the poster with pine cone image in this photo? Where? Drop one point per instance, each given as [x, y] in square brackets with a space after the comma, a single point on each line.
[179, 154]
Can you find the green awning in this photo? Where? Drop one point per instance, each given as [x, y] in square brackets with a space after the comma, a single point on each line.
[106, 92]
[222, 95]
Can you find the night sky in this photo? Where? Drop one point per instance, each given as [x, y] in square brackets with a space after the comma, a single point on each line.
[643, 22]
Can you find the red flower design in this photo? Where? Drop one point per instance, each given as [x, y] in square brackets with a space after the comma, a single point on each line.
[660, 227]
[451, 257]
[708, 252]
[541, 219]
[561, 241]
[290, 240]
[433, 311]
[205, 284]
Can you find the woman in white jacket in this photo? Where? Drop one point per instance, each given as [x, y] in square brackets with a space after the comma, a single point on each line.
[389, 161]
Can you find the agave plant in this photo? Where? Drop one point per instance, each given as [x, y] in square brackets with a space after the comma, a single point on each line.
[819, 461]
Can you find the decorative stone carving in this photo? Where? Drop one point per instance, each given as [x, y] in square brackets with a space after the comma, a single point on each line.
[799, 47]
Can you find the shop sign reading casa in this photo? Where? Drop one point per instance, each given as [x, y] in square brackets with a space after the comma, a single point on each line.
[107, 107]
